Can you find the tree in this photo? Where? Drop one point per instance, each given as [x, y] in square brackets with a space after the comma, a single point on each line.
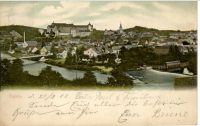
[79, 53]
[53, 51]
[70, 59]
[15, 72]
[50, 78]
[96, 35]
[5, 64]
[89, 79]
[111, 59]
[111, 81]
[174, 53]
[43, 43]
[121, 79]
[193, 64]
[93, 60]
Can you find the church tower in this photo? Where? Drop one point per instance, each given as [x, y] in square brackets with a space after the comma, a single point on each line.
[120, 29]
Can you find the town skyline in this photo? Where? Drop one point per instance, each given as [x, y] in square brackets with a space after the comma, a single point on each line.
[103, 15]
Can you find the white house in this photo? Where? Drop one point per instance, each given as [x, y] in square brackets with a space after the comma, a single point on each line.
[34, 50]
[109, 32]
[63, 54]
[116, 49]
[43, 51]
[92, 52]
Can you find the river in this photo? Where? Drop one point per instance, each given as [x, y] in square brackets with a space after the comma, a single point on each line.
[35, 67]
[153, 79]
[144, 79]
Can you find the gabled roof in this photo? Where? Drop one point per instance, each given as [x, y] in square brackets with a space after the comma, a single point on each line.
[173, 62]
[32, 43]
[116, 47]
[97, 50]
[80, 25]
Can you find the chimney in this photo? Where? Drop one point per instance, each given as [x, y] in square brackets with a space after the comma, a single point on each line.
[24, 37]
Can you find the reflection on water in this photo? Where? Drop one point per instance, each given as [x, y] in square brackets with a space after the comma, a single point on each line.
[35, 68]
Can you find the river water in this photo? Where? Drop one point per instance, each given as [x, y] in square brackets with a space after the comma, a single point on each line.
[35, 67]
[144, 79]
[153, 79]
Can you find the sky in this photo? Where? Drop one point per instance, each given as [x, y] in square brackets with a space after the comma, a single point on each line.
[172, 15]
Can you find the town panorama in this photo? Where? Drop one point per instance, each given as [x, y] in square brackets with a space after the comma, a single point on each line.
[72, 55]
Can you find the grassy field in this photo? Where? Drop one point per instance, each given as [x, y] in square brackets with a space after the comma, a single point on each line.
[104, 69]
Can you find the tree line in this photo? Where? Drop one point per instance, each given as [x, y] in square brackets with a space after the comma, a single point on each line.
[135, 57]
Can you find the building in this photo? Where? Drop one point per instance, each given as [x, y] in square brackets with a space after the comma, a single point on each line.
[92, 52]
[34, 50]
[43, 51]
[161, 50]
[63, 29]
[173, 65]
[30, 44]
[63, 54]
[116, 49]
[109, 32]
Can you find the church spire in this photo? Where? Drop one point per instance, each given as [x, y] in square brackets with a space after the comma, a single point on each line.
[120, 28]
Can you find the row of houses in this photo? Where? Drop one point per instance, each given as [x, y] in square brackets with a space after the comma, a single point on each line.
[112, 44]
[32, 47]
[62, 48]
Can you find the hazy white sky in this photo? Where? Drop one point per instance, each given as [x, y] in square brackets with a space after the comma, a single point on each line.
[102, 14]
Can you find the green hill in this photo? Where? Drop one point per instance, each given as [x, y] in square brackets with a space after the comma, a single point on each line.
[31, 32]
[140, 29]
[145, 29]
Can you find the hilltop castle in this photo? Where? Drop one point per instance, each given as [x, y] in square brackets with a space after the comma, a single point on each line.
[63, 29]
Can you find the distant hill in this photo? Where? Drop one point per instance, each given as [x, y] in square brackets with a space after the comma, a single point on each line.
[145, 29]
[140, 29]
[31, 32]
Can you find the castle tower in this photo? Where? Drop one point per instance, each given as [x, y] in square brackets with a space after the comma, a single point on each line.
[90, 27]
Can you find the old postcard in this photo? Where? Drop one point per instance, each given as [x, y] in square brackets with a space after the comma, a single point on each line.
[98, 63]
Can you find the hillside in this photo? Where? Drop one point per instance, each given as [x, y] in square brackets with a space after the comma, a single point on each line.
[31, 32]
[145, 29]
[140, 29]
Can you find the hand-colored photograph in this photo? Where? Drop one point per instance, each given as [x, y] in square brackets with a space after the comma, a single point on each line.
[97, 45]
[98, 63]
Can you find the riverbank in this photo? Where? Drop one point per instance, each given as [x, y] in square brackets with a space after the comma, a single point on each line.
[185, 82]
[66, 87]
